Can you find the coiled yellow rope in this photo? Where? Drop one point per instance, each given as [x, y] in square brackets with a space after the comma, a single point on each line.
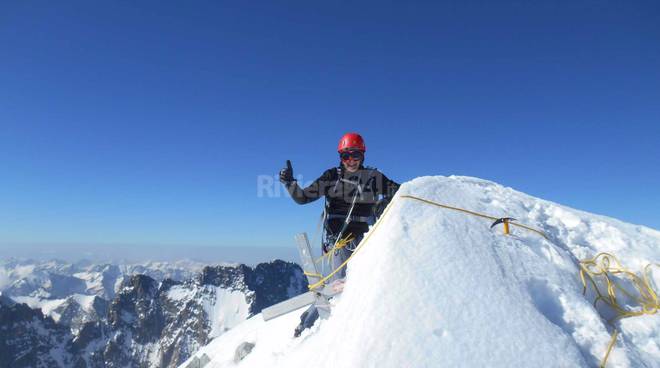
[604, 267]
[341, 243]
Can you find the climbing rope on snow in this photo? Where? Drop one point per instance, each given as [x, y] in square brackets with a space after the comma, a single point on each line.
[321, 282]
[604, 267]
[475, 214]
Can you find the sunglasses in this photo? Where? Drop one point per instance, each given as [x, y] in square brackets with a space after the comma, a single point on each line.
[356, 155]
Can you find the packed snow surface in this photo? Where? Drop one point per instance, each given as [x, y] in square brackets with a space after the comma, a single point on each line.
[434, 287]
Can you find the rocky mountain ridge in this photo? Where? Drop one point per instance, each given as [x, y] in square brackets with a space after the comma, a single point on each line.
[148, 323]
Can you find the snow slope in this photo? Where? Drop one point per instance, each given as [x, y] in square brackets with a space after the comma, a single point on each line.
[224, 308]
[434, 287]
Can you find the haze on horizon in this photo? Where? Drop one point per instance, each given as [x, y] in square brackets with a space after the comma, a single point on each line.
[249, 255]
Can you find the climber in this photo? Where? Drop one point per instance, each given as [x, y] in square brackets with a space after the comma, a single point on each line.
[355, 195]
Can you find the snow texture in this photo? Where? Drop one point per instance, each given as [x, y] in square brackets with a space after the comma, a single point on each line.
[224, 308]
[57, 279]
[47, 306]
[227, 310]
[434, 287]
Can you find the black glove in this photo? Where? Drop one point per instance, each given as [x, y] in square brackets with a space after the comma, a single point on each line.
[286, 174]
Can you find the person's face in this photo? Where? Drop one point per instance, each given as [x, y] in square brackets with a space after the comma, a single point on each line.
[352, 160]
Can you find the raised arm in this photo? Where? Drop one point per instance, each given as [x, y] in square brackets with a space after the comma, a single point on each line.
[302, 196]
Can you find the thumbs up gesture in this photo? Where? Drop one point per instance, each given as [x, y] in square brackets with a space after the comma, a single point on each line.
[286, 174]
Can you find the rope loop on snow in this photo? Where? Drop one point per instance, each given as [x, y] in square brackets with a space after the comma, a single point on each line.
[605, 267]
[321, 282]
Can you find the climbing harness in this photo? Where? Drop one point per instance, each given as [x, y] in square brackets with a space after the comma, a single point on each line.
[348, 217]
[338, 240]
[604, 267]
[353, 218]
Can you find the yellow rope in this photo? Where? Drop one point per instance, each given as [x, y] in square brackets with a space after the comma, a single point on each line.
[364, 241]
[605, 266]
[448, 207]
[321, 282]
[341, 243]
[473, 213]
[609, 348]
[589, 269]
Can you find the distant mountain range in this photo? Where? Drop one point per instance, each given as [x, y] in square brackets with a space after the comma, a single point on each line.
[155, 314]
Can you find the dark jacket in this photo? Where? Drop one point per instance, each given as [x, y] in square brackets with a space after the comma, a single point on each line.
[340, 187]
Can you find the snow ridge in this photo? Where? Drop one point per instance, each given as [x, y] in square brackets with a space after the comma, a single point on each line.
[438, 288]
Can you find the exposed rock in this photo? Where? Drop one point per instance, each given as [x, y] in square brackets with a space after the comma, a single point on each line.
[148, 323]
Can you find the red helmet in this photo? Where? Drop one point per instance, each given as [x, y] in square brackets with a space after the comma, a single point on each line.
[351, 141]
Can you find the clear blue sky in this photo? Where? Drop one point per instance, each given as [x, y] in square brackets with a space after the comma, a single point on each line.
[148, 122]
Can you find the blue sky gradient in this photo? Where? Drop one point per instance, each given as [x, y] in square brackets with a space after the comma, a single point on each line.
[148, 123]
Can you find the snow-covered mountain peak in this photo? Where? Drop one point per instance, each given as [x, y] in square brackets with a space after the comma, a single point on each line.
[438, 287]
